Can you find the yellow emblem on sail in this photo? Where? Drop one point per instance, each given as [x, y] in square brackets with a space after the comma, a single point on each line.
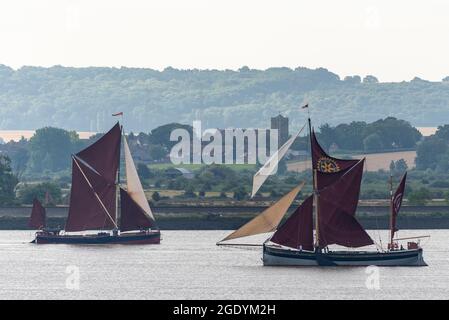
[327, 165]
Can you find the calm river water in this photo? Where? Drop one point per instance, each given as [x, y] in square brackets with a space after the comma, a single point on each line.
[188, 265]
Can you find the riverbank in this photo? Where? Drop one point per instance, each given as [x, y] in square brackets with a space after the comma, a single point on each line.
[228, 218]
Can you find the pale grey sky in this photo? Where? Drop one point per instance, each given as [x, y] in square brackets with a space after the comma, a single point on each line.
[394, 40]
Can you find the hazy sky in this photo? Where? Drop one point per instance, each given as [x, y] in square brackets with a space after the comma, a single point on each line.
[394, 40]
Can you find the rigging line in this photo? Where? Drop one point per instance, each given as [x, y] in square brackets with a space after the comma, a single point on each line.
[94, 192]
[416, 237]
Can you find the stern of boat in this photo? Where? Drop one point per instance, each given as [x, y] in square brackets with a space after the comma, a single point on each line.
[279, 256]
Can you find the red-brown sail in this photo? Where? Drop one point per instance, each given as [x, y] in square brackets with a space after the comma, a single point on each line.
[37, 218]
[92, 200]
[132, 216]
[104, 154]
[323, 162]
[337, 206]
[297, 230]
[93, 192]
[397, 203]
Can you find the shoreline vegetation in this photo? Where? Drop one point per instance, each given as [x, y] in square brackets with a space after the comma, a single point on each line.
[207, 217]
[216, 196]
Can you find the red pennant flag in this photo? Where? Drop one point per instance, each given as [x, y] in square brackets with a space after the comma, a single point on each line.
[117, 114]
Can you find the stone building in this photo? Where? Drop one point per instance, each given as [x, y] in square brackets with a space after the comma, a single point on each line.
[281, 124]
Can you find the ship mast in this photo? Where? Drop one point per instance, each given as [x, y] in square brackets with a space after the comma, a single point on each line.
[315, 188]
[117, 188]
[391, 211]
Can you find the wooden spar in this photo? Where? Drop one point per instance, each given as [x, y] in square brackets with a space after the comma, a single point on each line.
[117, 188]
[407, 238]
[94, 192]
[391, 211]
[315, 197]
[239, 244]
[315, 191]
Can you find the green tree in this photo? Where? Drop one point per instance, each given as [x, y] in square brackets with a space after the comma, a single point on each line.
[50, 148]
[161, 135]
[156, 196]
[370, 79]
[143, 171]
[282, 167]
[240, 193]
[430, 152]
[401, 166]
[157, 152]
[373, 142]
[28, 192]
[189, 192]
[8, 182]
[419, 197]
[19, 160]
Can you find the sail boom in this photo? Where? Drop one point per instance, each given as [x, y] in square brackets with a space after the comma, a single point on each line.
[239, 244]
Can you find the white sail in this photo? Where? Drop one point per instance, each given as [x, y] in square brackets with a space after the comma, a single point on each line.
[269, 219]
[133, 185]
[271, 164]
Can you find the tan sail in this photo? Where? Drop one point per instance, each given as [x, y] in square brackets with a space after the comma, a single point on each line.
[269, 219]
[271, 164]
[133, 185]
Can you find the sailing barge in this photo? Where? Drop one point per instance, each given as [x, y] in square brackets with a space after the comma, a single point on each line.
[94, 200]
[327, 217]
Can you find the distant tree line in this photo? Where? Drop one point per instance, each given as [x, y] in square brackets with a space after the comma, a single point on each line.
[50, 149]
[381, 135]
[84, 98]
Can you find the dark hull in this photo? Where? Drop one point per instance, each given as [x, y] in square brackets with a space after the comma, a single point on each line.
[153, 237]
[277, 256]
